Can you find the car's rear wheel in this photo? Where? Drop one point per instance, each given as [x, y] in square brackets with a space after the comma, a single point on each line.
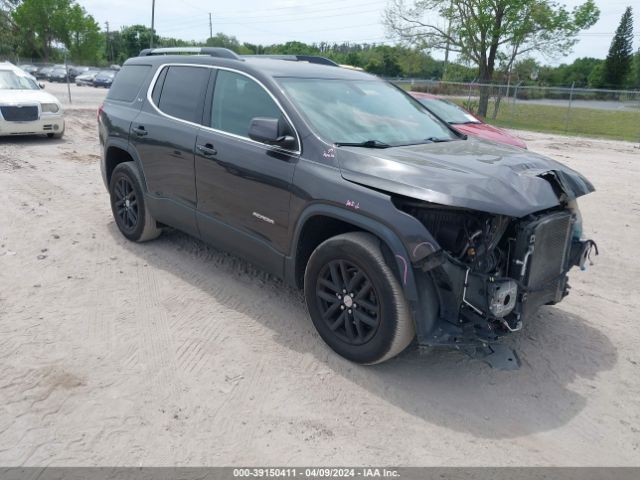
[355, 301]
[128, 205]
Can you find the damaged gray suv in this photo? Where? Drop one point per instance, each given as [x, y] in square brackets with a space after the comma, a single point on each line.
[398, 228]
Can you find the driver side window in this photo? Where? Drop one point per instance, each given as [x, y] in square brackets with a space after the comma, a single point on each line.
[237, 99]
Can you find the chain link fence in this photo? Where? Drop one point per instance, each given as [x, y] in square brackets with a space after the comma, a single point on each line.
[613, 114]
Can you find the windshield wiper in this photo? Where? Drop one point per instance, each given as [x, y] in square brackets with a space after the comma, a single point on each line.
[437, 140]
[365, 144]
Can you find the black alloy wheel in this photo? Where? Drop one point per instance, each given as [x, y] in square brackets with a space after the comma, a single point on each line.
[126, 204]
[130, 211]
[355, 299]
[348, 302]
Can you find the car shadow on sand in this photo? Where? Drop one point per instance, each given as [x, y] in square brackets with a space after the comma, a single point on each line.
[442, 386]
[19, 140]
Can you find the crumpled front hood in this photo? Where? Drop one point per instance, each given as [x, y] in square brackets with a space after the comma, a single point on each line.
[465, 173]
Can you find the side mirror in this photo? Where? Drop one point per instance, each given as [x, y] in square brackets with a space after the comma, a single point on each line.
[268, 130]
[41, 85]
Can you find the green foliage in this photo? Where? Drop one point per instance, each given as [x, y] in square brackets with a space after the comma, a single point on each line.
[8, 39]
[634, 81]
[488, 31]
[618, 63]
[613, 124]
[595, 78]
[224, 41]
[43, 25]
[385, 64]
[581, 71]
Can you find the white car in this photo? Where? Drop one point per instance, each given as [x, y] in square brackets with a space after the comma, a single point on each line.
[25, 109]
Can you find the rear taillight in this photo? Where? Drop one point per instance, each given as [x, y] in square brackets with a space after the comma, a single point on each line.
[100, 109]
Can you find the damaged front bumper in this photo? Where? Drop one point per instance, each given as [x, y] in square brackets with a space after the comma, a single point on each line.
[476, 309]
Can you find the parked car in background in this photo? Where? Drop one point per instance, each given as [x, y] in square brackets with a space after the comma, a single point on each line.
[43, 72]
[75, 71]
[30, 69]
[86, 78]
[104, 78]
[25, 109]
[464, 121]
[59, 75]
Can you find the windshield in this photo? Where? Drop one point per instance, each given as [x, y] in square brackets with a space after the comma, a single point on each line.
[357, 111]
[448, 111]
[105, 75]
[9, 80]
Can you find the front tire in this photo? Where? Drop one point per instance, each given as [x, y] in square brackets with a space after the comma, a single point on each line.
[57, 136]
[355, 301]
[128, 205]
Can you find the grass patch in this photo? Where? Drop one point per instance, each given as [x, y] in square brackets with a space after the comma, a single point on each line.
[589, 122]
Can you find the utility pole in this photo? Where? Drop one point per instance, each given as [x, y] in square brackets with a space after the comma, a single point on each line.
[210, 27]
[106, 24]
[153, 19]
[446, 52]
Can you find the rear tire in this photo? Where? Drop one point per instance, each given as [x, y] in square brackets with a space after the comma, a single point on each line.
[128, 204]
[355, 301]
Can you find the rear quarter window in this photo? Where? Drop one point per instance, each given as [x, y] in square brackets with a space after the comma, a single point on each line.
[183, 92]
[127, 83]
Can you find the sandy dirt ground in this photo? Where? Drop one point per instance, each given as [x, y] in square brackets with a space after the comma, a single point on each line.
[174, 353]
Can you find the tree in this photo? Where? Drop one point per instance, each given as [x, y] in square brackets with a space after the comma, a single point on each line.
[635, 82]
[486, 31]
[225, 41]
[132, 40]
[82, 37]
[8, 32]
[618, 63]
[44, 25]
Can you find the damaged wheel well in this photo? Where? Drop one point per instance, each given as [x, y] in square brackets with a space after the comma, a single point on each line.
[113, 158]
[316, 230]
[319, 228]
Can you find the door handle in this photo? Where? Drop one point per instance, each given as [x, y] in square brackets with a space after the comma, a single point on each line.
[207, 150]
[139, 131]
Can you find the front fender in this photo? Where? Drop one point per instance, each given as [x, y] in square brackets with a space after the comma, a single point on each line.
[418, 286]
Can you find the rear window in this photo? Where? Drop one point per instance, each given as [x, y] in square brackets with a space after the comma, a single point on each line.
[127, 83]
[183, 92]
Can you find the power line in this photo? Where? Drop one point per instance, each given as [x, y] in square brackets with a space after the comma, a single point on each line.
[303, 15]
[175, 27]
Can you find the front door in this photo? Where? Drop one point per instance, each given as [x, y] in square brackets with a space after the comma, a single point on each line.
[243, 185]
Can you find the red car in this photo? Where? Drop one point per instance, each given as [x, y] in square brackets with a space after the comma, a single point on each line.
[464, 121]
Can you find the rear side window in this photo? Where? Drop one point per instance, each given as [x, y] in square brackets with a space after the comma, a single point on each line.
[127, 82]
[237, 99]
[183, 92]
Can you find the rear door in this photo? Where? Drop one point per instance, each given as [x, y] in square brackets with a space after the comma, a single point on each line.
[243, 185]
[164, 136]
[123, 102]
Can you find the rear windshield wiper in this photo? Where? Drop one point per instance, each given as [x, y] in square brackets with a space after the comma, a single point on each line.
[366, 144]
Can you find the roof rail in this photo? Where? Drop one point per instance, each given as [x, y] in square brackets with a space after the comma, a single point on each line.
[298, 58]
[211, 51]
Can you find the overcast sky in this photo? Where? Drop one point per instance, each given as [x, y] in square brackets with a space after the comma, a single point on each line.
[278, 21]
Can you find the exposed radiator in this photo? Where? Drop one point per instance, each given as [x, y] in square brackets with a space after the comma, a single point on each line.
[540, 258]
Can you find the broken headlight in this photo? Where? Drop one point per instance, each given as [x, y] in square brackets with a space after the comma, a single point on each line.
[469, 236]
